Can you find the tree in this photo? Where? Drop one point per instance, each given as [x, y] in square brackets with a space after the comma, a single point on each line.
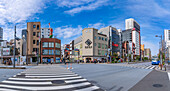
[137, 57]
[145, 58]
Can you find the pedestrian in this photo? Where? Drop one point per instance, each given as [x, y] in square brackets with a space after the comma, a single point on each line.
[51, 62]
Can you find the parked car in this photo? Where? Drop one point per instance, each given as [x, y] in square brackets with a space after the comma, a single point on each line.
[155, 62]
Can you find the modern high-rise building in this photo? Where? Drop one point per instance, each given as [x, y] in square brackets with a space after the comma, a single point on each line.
[1, 33]
[114, 38]
[167, 43]
[135, 34]
[24, 42]
[45, 32]
[33, 37]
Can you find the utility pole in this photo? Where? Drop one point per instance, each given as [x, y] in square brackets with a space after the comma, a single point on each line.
[14, 46]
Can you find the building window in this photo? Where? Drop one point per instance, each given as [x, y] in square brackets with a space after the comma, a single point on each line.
[45, 44]
[99, 38]
[34, 33]
[102, 38]
[99, 45]
[38, 34]
[45, 52]
[38, 27]
[34, 49]
[42, 36]
[33, 41]
[102, 46]
[103, 52]
[105, 46]
[18, 43]
[37, 42]
[57, 52]
[57, 45]
[105, 39]
[94, 44]
[51, 52]
[51, 44]
[34, 26]
[99, 52]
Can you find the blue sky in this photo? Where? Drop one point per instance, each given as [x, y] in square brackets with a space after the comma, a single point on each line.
[69, 17]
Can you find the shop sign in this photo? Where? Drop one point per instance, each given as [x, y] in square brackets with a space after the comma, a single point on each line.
[88, 43]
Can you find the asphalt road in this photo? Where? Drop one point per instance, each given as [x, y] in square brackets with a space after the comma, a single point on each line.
[111, 77]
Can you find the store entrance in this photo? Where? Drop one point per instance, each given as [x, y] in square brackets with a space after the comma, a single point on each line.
[88, 60]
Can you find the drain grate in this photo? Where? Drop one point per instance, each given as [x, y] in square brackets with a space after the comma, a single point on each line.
[58, 82]
[157, 85]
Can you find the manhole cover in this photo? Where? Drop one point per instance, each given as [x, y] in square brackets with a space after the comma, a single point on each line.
[157, 85]
[58, 82]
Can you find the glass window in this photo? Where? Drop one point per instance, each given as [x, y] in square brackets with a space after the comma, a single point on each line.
[38, 27]
[57, 52]
[45, 44]
[34, 26]
[102, 46]
[33, 41]
[99, 38]
[45, 52]
[57, 45]
[51, 52]
[51, 44]
[102, 38]
[38, 34]
[34, 33]
[103, 52]
[105, 39]
[105, 46]
[99, 52]
[99, 45]
[37, 42]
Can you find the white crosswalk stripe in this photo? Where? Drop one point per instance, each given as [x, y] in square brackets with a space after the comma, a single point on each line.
[43, 78]
[138, 66]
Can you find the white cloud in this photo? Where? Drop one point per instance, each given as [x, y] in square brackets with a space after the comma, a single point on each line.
[154, 46]
[14, 12]
[90, 6]
[72, 3]
[96, 25]
[68, 31]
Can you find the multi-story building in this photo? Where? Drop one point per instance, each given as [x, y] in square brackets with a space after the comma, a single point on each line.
[1, 33]
[45, 32]
[50, 50]
[72, 51]
[33, 37]
[167, 43]
[114, 38]
[19, 46]
[147, 53]
[94, 45]
[142, 50]
[78, 48]
[24, 44]
[135, 34]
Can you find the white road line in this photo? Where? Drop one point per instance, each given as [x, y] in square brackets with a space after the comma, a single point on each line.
[28, 83]
[168, 75]
[48, 88]
[88, 89]
[52, 76]
[5, 89]
[44, 79]
[79, 80]
[152, 67]
[148, 67]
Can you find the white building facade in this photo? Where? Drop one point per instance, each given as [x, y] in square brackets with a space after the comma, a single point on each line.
[132, 24]
[45, 32]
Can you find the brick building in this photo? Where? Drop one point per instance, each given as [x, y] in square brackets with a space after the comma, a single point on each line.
[50, 50]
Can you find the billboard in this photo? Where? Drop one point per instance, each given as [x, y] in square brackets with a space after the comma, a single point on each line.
[6, 51]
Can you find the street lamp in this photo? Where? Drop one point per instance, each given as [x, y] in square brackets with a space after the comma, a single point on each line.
[161, 49]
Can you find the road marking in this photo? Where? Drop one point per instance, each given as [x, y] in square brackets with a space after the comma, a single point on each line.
[28, 83]
[48, 88]
[79, 80]
[29, 79]
[52, 76]
[88, 89]
[5, 89]
[169, 75]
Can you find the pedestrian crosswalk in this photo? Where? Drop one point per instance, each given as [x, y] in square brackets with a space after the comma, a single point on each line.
[47, 78]
[139, 66]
